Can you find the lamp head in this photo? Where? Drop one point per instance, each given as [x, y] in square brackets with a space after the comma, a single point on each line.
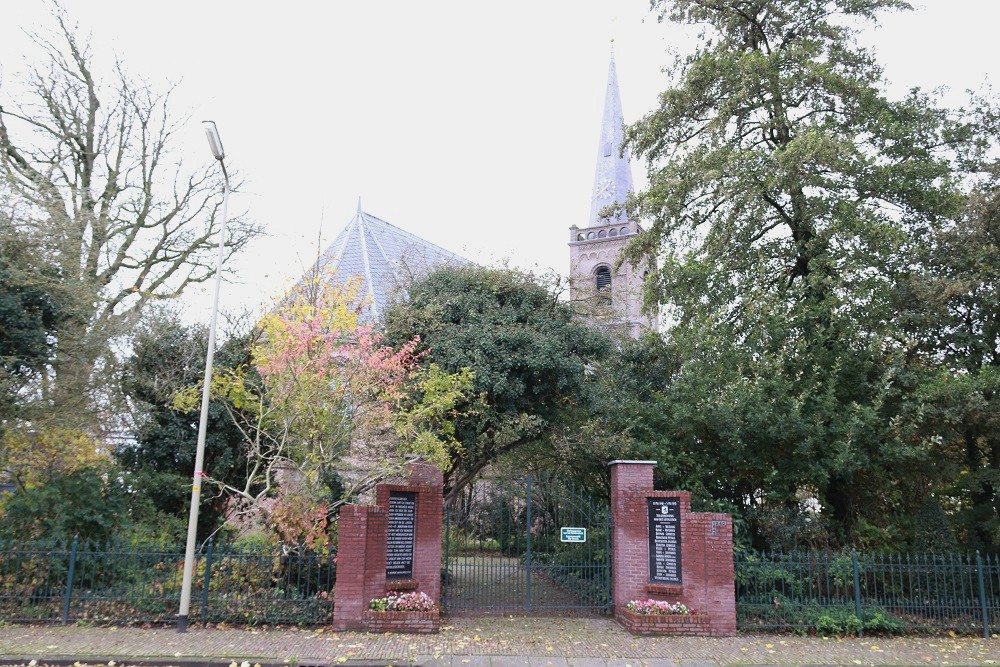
[213, 139]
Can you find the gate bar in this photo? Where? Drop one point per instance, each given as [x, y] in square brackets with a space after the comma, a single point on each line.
[527, 555]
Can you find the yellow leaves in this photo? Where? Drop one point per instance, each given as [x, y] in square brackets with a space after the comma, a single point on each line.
[426, 421]
[34, 457]
[226, 384]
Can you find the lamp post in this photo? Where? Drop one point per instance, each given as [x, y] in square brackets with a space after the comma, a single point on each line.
[199, 459]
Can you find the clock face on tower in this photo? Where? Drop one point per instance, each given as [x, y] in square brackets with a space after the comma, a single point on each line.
[605, 189]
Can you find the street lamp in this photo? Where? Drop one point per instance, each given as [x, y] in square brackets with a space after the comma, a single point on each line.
[199, 459]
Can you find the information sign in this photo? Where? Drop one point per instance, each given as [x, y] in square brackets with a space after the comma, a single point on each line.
[399, 544]
[664, 540]
[567, 534]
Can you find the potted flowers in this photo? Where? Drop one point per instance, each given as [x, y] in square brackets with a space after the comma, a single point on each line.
[402, 612]
[657, 617]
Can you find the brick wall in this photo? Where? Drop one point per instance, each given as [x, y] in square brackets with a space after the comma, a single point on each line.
[707, 578]
[361, 548]
[413, 622]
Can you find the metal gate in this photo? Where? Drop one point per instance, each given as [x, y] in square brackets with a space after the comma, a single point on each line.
[536, 546]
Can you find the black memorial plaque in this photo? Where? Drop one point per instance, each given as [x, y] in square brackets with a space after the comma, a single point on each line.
[399, 546]
[664, 540]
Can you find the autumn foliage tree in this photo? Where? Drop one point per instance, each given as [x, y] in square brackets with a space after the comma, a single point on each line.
[327, 411]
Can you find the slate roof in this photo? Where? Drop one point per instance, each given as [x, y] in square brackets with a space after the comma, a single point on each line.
[385, 256]
[613, 177]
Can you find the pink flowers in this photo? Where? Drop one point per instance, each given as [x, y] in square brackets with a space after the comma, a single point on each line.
[403, 602]
[656, 608]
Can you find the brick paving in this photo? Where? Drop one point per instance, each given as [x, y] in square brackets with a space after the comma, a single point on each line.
[465, 642]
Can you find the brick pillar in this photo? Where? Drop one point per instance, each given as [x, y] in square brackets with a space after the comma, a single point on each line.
[428, 483]
[352, 544]
[361, 549]
[707, 582]
[629, 555]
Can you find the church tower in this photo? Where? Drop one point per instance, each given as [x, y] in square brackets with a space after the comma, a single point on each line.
[611, 297]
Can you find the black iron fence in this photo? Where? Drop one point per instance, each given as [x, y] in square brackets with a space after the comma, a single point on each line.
[849, 592]
[537, 545]
[125, 583]
[834, 593]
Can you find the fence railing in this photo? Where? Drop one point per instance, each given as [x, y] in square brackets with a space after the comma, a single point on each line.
[124, 583]
[852, 592]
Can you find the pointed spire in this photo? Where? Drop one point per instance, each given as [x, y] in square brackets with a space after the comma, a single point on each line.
[359, 204]
[613, 178]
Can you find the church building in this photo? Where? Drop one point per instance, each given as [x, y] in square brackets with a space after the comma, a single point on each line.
[384, 256]
[608, 295]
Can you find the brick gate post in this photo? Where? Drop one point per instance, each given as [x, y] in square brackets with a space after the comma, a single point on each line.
[362, 572]
[661, 550]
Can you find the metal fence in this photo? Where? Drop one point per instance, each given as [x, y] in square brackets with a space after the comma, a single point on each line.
[850, 592]
[125, 583]
[533, 545]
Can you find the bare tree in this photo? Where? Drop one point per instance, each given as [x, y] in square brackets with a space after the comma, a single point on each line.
[123, 221]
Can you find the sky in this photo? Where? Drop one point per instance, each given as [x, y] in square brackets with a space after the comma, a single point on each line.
[474, 125]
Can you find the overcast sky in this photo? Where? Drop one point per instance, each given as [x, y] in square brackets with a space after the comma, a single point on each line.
[472, 124]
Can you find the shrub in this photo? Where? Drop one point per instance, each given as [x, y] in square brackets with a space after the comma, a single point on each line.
[838, 622]
[878, 621]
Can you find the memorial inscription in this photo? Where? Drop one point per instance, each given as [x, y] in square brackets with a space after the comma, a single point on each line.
[664, 540]
[402, 524]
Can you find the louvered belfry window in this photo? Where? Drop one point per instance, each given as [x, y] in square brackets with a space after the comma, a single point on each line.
[602, 278]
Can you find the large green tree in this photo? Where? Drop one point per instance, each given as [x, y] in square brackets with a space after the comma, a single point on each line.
[167, 357]
[31, 311]
[786, 196]
[952, 314]
[528, 354]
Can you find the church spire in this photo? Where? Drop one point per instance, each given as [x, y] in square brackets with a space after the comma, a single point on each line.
[613, 178]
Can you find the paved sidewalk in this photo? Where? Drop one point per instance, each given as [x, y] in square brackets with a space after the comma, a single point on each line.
[549, 642]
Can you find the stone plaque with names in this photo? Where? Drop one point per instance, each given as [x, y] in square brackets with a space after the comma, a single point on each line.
[402, 524]
[664, 540]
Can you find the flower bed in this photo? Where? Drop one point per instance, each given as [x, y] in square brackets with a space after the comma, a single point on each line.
[403, 602]
[402, 612]
[655, 617]
[657, 608]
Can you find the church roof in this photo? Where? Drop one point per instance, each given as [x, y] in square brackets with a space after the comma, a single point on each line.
[384, 256]
[613, 178]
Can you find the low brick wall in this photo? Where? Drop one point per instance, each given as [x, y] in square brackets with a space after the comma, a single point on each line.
[413, 622]
[680, 625]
